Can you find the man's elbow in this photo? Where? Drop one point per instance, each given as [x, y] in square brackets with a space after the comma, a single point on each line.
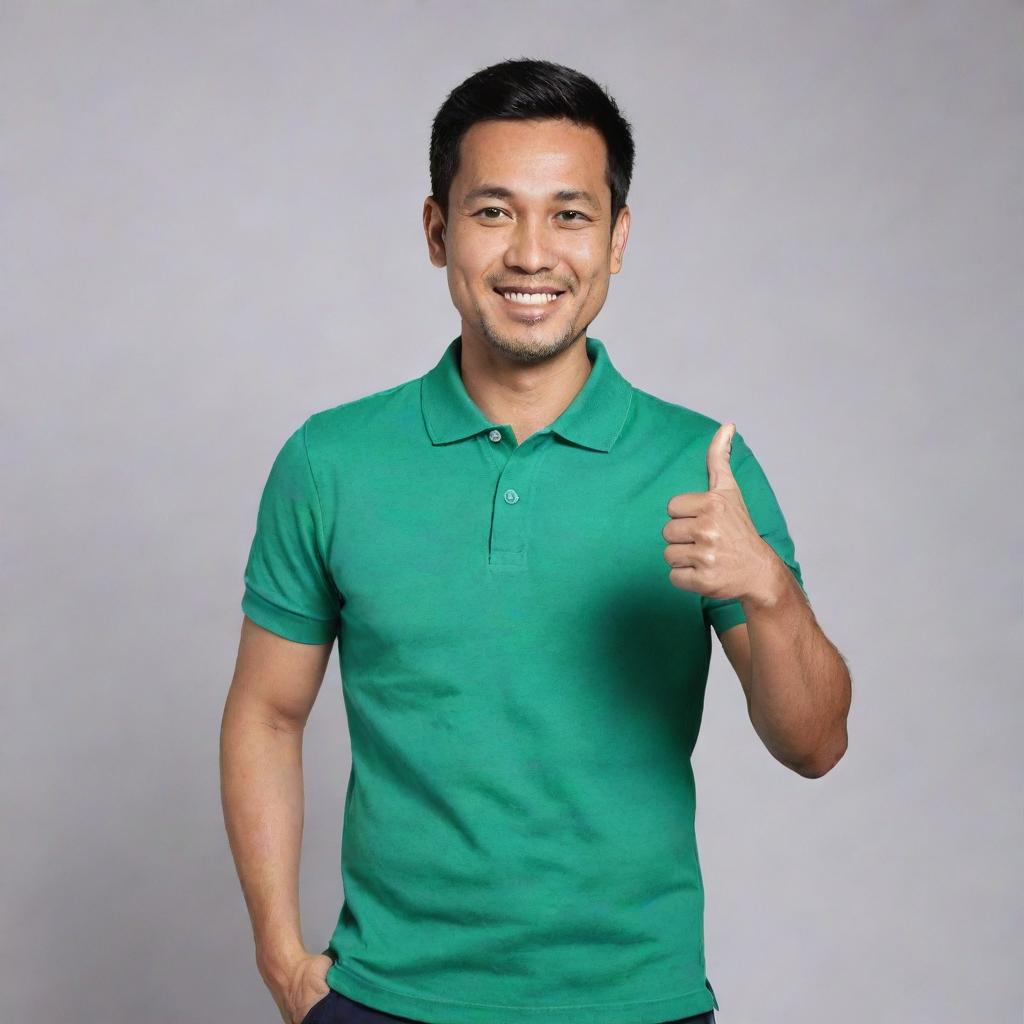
[823, 761]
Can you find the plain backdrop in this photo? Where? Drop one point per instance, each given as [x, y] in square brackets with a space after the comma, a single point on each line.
[211, 229]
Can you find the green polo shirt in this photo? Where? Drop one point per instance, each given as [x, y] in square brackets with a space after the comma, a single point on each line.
[524, 689]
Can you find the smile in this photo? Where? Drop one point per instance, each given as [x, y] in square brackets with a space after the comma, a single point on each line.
[530, 298]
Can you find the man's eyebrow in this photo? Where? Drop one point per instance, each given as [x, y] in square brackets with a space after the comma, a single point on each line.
[565, 195]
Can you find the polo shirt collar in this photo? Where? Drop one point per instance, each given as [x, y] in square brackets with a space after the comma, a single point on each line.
[594, 418]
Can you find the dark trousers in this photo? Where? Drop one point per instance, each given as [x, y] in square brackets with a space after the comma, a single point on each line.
[336, 1008]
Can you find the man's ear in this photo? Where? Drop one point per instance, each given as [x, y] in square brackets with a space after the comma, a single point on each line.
[436, 241]
[619, 235]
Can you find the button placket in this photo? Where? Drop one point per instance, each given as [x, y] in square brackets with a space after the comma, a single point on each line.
[511, 506]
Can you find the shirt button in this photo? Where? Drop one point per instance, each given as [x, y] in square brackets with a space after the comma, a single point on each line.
[495, 435]
[511, 497]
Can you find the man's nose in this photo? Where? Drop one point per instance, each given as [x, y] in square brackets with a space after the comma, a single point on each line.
[530, 248]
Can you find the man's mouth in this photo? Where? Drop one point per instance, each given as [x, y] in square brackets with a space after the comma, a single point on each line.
[530, 296]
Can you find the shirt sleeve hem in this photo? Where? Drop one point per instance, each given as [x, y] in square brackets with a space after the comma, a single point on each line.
[288, 624]
[726, 616]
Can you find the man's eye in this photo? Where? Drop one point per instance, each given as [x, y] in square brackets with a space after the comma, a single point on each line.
[577, 212]
[489, 209]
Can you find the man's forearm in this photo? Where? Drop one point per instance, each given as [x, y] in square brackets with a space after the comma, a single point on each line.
[262, 796]
[800, 686]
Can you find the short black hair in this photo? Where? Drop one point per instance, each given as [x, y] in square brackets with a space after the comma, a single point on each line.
[524, 89]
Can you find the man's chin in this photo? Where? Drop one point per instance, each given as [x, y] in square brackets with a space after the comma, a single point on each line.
[528, 345]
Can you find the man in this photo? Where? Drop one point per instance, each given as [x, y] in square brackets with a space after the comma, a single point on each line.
[523, 676]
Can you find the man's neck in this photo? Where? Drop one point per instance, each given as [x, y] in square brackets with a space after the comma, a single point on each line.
[528, 398]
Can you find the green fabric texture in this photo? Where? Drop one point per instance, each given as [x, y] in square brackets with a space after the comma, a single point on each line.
[524, 689]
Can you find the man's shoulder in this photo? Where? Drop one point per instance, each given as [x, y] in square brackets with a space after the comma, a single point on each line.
[681, 420]
[363, 417]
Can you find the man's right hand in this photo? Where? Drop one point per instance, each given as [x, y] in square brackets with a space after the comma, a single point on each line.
[303, 987]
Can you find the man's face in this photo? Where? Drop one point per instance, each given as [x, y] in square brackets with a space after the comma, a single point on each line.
[526, 236]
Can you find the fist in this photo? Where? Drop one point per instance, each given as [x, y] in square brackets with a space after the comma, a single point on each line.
[712, 545]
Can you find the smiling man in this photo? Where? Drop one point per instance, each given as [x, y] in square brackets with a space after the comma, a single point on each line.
[522, 558]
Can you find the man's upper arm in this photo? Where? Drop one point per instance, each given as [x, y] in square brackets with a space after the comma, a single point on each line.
[288, 586]
[277, 678]
[291, 604]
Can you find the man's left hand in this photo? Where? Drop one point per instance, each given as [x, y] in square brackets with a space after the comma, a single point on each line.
[712, 544]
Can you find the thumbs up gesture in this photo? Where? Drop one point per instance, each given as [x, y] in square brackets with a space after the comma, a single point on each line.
[712, 544]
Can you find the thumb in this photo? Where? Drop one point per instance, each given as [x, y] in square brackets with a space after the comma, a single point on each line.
[720, 476]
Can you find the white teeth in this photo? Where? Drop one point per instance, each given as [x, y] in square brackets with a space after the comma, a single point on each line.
[537, 299]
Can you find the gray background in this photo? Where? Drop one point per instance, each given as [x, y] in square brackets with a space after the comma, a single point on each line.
[212, 229]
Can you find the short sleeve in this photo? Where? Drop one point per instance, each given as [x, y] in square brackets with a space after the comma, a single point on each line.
[288, 588]
[767, 517]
